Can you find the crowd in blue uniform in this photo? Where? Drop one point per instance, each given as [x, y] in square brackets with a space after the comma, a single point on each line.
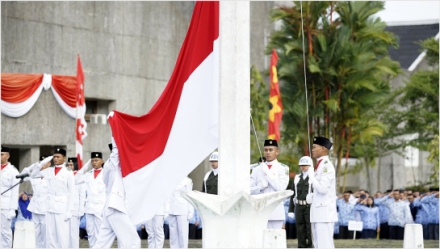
[383, 215]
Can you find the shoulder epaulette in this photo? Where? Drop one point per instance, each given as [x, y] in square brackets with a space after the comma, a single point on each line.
[284, 165]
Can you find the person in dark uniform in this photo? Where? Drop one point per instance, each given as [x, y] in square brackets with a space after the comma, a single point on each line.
[210, 181]
[299, 202]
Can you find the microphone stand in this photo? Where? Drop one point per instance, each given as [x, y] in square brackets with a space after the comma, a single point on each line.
[21, 180]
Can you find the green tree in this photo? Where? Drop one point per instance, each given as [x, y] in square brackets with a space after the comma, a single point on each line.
[347, 71]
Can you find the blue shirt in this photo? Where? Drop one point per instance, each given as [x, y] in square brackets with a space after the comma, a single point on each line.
[194, 218]
[433, 206]
[422, 216]
[369, 216]
[198, 219]
[82, 222]
[399, 211]
[286, 211]
[336, 230]
[384, 212]
[345, 212]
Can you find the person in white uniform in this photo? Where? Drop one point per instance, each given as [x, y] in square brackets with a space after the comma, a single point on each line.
[39, 204]
[181, 211]
[115, 222]
[96, 195]
[79, 199]
[271, 176]
[323, 212]
[154, 227]
[210, 181]
[61, 186]
[8, 200]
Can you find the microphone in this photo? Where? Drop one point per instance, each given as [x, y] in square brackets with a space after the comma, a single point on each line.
[23, 175]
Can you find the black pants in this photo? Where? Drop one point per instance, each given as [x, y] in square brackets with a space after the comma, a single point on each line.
[199, 233]
[290, 230]
[192, 231]
[369, 234]
[166, 231]
[303, 226]
[82, 233]
[344, 233]
[396, 232]
[384, 231]
[433, 231]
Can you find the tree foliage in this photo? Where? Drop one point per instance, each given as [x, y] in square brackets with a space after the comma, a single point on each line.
[347, 72]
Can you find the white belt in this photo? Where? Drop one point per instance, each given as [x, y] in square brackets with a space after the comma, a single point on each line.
[302, 202]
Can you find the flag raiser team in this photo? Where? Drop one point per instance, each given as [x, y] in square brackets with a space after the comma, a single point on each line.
[63, 194]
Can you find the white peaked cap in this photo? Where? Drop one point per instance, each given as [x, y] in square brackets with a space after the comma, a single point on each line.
[305, 160]
[213, 156]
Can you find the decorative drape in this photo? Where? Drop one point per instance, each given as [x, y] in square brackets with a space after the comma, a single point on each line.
[21, 91]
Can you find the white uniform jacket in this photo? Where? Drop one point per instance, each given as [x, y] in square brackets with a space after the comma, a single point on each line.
[178, 205]
[39, 201]
[9, 200]
[323, 207]
[112, 177]
[96, 194]
[60, 188]
[276, 179]
[79, 200]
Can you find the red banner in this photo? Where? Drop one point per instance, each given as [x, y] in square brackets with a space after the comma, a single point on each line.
[276, 106]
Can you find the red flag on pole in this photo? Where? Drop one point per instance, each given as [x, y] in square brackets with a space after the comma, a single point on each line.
[276, 107]
[81, 124]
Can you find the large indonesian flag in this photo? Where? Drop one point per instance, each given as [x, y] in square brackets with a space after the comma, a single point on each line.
[159, 149]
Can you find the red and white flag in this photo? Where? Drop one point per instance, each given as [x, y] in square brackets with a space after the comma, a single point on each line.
[157, 150]
[81, 124]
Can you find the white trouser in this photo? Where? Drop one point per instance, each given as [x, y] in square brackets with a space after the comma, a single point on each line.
[118, 225]
[93, 223]
[6, 229]
[154, 228]
[57, 231]
[40, 229]
[74, 232]
[275, 224]
[179, 230]
[323, 234]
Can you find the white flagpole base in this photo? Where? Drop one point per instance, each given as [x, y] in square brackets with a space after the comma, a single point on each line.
[24, 235]
[413, 237]
[237, 221]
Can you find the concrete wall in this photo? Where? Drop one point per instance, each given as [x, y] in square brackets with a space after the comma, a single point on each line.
[128, 51]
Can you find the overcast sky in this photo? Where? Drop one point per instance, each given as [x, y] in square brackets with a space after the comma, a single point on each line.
[405, 11]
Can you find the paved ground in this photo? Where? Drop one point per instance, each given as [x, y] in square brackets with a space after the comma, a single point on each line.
[359, 243]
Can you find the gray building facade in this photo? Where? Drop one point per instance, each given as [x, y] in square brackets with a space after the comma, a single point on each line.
[128, 51]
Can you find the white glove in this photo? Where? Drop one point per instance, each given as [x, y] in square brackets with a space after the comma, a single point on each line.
[263, 184]
[295, 200]
[110, 114]
[45, 161]
[264, 168]
[291, 215]
[309, 198]
[85, 167]
[11, 214]
[68, 215]
[190, 215]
